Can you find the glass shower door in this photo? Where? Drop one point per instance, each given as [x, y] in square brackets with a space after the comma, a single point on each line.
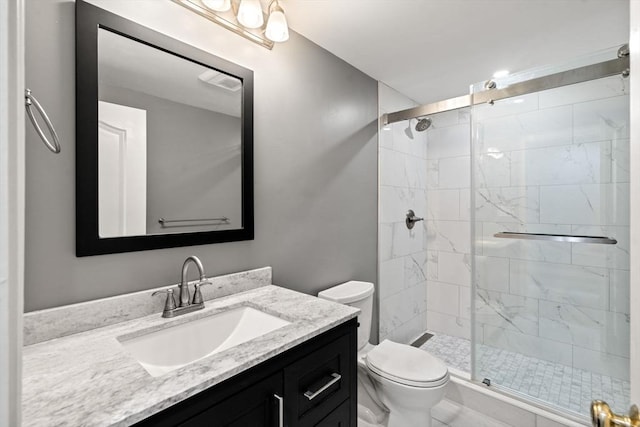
[551, 313]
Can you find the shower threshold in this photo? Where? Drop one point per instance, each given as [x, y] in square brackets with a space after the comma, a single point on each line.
[560, 386]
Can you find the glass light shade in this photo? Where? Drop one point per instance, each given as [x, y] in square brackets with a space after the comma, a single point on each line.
[250, 14]
[218, 5]
[277, 29]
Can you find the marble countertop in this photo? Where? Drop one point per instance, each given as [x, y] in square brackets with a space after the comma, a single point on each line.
[89, 379]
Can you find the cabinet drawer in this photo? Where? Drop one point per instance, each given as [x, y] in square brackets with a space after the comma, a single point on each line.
[256, 406]
[319, 382]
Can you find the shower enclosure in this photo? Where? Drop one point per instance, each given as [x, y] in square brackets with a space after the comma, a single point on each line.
[524, 253]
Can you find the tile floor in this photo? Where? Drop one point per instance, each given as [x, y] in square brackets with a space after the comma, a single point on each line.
[452, 414]
[559, 385]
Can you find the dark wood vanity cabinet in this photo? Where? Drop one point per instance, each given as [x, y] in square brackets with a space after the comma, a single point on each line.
[310, 385]
[255, 406]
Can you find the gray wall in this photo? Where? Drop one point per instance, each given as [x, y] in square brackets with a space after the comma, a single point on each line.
[193, 161]
[315, 165]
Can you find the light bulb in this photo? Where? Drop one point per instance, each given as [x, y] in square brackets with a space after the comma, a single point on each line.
[218, 5]
[250, 14]
[277, 29]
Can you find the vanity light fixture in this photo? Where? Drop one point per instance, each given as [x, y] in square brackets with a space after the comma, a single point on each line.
[277, 28]
[250, 14]
[245, 18]
[218, 5]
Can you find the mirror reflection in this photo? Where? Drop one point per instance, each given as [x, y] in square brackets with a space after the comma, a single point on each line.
[169, 142]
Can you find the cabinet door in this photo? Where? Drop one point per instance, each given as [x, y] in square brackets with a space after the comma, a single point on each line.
[338, 418]
[256, 406]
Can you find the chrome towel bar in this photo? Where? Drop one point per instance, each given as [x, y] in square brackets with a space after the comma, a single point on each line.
[557, 238]
[166, 222]
[30, 100]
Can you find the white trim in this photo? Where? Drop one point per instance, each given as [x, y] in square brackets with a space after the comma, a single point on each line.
[634, 298]
[12, 191]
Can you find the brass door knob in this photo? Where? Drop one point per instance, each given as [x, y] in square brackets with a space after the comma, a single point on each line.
[601, 416]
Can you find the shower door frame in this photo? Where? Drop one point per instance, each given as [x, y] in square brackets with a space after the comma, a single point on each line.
[564, 78]
[583, 74]
[634, 297]
[577, 75]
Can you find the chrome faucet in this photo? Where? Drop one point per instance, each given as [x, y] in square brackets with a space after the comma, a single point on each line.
[184, 285]
[185, 304]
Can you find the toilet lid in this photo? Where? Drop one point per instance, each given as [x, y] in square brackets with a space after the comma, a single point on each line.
[406, 364]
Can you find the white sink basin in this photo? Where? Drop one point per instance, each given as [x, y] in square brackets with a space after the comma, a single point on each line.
[174, 347]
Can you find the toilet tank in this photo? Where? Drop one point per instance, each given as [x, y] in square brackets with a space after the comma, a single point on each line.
[355, 294]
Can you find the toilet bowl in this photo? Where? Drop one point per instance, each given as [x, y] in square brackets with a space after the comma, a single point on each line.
[397, 384]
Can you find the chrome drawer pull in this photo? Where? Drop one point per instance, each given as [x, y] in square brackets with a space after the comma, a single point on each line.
[312, 395]
[280, 410]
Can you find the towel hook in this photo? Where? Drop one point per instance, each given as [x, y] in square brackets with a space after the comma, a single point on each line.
[31, 100]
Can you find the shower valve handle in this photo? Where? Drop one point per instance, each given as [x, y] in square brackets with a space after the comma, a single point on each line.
[412, 219]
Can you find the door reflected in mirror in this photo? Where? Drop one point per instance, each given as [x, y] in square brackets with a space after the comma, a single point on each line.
[169, 142]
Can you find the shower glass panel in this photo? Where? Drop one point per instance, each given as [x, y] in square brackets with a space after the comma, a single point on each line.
[551, 318]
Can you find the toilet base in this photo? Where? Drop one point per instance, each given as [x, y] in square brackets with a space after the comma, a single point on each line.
[364, 423]
[408, 405]
[371, 416]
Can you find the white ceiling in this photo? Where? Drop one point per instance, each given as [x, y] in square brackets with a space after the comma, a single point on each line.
[432, 50]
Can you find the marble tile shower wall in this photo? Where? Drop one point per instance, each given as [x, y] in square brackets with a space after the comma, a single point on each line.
[552, 162]
[402, 255]
[448, 236]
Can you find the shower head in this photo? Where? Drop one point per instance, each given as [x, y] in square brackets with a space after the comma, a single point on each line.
[423, 124]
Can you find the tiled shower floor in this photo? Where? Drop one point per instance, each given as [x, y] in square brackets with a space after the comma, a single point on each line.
[559, 385]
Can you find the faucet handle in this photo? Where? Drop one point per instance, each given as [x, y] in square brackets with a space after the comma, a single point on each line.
[197, 295]
[170, 303]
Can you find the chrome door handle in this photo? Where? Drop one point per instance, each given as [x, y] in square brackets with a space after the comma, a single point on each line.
[601, 416]
[313, 394]
[280, 410]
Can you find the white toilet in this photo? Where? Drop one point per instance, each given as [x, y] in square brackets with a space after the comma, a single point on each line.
[397, 384]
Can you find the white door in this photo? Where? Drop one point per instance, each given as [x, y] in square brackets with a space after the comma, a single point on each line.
[12, 139]
[122, 170]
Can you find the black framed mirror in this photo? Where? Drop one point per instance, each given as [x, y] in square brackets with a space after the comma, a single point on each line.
[164, 140]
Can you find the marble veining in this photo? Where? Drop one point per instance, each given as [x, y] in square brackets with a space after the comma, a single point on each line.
[58, 322]
[507, 311]
[415, 268]
[89, 379]
[508, 204]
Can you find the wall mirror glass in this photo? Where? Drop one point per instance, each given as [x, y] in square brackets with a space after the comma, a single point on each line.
[164, 140]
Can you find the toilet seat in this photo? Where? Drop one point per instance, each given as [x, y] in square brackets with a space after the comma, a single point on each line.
[406, 365]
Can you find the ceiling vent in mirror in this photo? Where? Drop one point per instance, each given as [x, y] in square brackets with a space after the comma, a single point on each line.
[224, 81]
